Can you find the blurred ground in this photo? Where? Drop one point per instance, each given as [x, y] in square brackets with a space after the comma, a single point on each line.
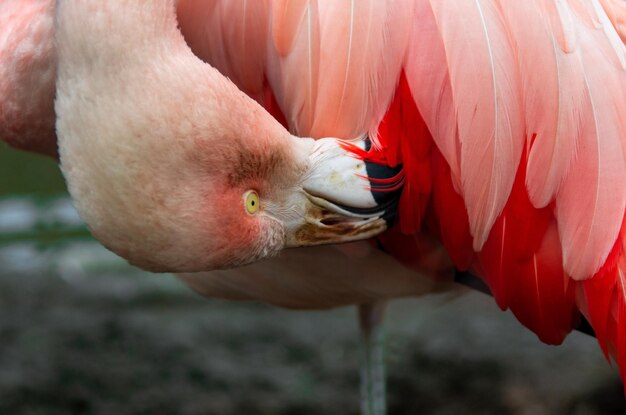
[83, 333]
[131, 343]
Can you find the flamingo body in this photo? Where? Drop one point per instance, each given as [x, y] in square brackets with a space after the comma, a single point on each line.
[506, 116]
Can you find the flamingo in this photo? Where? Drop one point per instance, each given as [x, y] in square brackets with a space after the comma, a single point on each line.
[496, 123]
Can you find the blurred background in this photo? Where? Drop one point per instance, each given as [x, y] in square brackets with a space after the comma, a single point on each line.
[82, 332]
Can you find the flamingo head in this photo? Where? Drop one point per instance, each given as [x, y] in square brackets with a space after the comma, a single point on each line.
[175, 169]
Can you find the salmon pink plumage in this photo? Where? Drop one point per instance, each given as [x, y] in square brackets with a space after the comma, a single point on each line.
[506, 117]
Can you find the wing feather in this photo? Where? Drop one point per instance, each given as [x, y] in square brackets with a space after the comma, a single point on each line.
[231, 36]
[339, 74]
[552, 92]
[294, 61]
[616, 11]
[617, 45]
[287, 17]
[428, 76]
[590, 204]
[487, 101]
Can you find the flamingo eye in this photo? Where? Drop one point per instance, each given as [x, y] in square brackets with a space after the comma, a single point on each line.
[251, 202]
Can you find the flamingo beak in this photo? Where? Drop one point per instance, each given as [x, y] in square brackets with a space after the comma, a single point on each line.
[343, 198]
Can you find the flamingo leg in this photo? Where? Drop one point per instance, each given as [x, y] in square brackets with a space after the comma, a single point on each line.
[373, 382]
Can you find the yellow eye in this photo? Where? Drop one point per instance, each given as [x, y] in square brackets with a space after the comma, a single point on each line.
[252, 203]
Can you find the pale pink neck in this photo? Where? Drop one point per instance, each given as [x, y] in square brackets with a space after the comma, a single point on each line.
[121, 29]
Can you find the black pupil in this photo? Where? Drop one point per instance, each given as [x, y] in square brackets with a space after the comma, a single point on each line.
[252, 202]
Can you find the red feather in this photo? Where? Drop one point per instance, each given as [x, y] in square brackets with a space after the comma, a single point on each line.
[407, 141]
[602, 299]
[521, 264]
[451, 216]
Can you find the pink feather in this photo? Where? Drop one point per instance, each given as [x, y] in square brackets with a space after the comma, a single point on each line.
[611, 33]
[584, 10]
[287, 18]
[294, 61]
[487, 101]
[427, 73]
[616, 11]
[231, 36]
[553, 89]
[590, 204]
[339, 76]
[361, 71]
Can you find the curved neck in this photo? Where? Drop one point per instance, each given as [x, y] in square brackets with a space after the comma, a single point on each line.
[143, 128]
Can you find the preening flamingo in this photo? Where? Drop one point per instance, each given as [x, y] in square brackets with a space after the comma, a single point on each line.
[506, 118]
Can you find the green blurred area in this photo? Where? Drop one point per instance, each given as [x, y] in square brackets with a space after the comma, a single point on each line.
[35, 179]
[24, 173]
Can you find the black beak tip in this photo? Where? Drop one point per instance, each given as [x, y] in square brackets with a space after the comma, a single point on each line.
[385, 182]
